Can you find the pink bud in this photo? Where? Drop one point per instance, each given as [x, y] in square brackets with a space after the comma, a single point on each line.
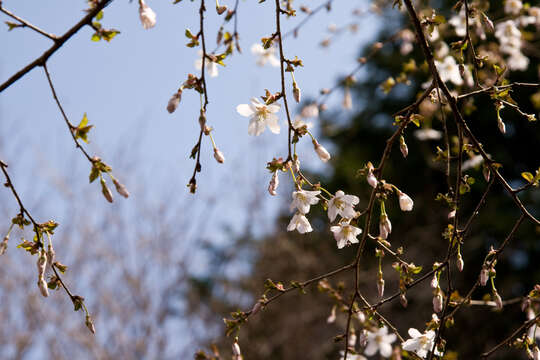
[498, 300]
[403, 147]
[120, 188]
[363, 338]
[296, 92]
[403, 300]
[174, 101]
[43, 286]
[434, 282]
[484, 276]
[274, 183]
[385, 227]
[218, 155]
[371, 179]
[324, 155]
[236, 348]
[460, 263]
[405, 202]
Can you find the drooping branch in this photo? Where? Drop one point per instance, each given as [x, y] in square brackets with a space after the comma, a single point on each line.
[59, 42]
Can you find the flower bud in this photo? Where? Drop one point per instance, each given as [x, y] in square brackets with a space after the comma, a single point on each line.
[4, 245]
[385, 227]
[438, 302]
[501, 125]
[347, 99]
[50, 254]
[403, 300]
[380, 287]
[174, 101]
[90, 324]
[405, 202]
[41, 263]
[296, 92]
[498, 300]
[147, 15]
[274, 183]
[484, 276]
[120, 188]
[459, 262]
[403, 147]
[43, 286]
[371, 179]
[192, 186]
[218, 155]
[236, 348]
[324, 155]
[202, 120]
[434, 282]
[296, 166]
[106, 191]
[332, 318]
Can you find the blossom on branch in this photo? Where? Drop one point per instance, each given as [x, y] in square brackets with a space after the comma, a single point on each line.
[300, 223]
[420, 343]
[262, 115]
[210, 66]
[303, 199]
[265, 55]
[345, 234]
[343, 205]
[380, 341]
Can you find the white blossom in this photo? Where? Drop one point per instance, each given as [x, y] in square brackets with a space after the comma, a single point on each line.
[427, 134]
[459, 23]
[380, 341]
[518, 61]
[303, 199]
[473, 162]
[298, 122]
[434, 281]
[265, 55]
[262, 115]
[371, 179]
[449, 70]
[343, 205]
[210, 66]
[380, 287]
[300, 223]
[420, 343]
[311, 110]
[42, 284]
[405, 202]
[513, 7]
[147, 15]
[332, 318]
[345, 234]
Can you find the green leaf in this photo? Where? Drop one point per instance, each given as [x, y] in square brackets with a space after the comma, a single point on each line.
[96, 37]
[12, 25]
[99, 16]
[94, 173]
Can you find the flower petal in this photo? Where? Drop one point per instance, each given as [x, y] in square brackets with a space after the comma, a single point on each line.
[244, 110]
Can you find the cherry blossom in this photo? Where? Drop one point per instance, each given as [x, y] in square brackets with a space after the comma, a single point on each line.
[303, 199]
[262, 115]
[218, 155]
[210, 66]
[342, 205]
[299, 122]
[300, 223]
[147, 15]
[311, 110]
[345, 234]
[513, 7]
[380, 341]
[420, 343]
[265, 55]
[274, 183]
[174, 101]
[427, 134]
[449, 70]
